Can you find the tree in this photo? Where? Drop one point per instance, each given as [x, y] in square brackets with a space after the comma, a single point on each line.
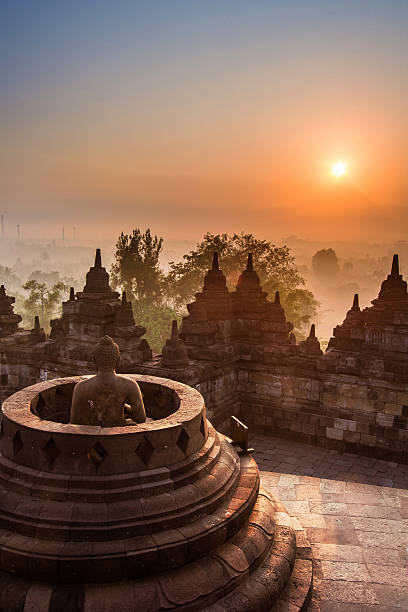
[274, 265]
[43, 302]
[8, 278]
[325, 264]
[136, 266]
[136, 270]
[301, 309]
[157, 320]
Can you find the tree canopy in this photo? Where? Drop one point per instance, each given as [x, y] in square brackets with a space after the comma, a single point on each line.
[158, 298]
[44, 302]
[136, 266]
[275, 266]
[325, 264]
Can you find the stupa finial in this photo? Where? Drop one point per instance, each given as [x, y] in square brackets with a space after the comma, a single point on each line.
[277, 298]
[37, 323]
[356, 305]
[71, 294]
[174, 330]
[395, 266]
[215, 262]
[250, 263]
[98, 259]
[312, 333]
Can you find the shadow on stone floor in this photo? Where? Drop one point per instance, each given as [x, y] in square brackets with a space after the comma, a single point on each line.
[276, 454]
[354, 512]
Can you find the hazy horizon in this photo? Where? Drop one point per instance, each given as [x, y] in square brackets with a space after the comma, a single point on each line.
[188, 117]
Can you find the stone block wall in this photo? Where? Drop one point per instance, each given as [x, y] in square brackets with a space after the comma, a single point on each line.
[333, 410]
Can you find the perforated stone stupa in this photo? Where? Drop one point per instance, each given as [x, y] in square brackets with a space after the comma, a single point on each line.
[158, 516]
[238, 349]
[88, 316]
[21, 351]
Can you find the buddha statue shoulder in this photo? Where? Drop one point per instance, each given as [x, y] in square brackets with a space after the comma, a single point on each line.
[107, 398]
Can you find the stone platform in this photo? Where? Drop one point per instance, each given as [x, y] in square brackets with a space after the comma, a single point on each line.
[163, 515]
[354, 511]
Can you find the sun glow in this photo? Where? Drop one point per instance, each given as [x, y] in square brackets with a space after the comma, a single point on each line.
[339, 168]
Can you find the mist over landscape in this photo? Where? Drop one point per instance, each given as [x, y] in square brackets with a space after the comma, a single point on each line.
[360, 268]
[188, 119]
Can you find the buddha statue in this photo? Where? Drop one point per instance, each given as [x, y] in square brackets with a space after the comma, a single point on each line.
[107, 398]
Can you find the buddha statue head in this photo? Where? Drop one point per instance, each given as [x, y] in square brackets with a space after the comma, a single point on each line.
[107, 399]
[106, 355]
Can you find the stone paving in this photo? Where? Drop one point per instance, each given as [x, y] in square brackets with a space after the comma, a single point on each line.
[354, 511]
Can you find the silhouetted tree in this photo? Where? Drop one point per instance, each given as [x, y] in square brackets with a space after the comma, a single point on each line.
[136, 270]
[44, 302]
[8, 278]
[274, 265]
[136, 266]
[325, 264]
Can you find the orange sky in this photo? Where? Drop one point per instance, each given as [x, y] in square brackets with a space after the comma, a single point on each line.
[224, 117]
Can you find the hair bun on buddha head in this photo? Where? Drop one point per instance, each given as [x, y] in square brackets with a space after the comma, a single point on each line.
[106, 354]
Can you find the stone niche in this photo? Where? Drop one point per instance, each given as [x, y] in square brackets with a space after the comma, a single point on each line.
[163, 515]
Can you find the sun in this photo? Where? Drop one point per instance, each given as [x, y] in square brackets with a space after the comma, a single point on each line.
[339, 168]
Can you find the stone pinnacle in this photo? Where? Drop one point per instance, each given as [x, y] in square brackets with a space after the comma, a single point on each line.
[395, 266]
[98, 259]
[174, 330]
[215, 264]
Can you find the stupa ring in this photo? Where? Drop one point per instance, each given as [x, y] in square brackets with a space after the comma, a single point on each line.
[163, 515]
[30, 422]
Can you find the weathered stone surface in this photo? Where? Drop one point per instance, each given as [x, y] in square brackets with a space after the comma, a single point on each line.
[159, 515]
[236, 349]
[87, 317]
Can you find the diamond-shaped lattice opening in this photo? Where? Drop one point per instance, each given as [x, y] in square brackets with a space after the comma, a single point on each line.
[145, 450]
[97, 454]
[202, 427]
[182, 440]
[50, 451]
[17, 443]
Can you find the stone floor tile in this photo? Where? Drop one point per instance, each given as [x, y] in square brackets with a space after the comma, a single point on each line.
[332, 486]
[333, 606]
[350, 572]
[339, 522]
[383, 512]
[359, 487]
[288, 479]
[382, 556]
[338, 552]
[356, 510]
[346, 592]
[328, 508]
[358, 527]
[398, 526]
[308, 492]
[312, 520]
[388, 574]
[371, 524]
[287, 493]
[368, 539]
[389, 595]
[332, 536]
[297, 507]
